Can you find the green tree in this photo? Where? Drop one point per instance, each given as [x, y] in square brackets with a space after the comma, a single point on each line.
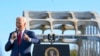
[73, 52]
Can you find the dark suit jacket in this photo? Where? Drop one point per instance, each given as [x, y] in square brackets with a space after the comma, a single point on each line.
[25, 46]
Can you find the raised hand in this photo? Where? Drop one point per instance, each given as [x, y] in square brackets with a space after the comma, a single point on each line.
[14, 36]
[26, 37]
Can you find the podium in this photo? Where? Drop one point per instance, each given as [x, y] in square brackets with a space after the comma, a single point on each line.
[51, 50]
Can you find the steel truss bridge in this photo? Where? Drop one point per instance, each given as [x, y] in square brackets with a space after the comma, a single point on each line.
[85, 24]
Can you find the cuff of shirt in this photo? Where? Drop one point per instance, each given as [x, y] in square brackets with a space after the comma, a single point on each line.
[29, 39]
[12, 41]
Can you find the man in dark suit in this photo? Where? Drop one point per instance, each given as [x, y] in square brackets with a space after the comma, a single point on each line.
[21, 39]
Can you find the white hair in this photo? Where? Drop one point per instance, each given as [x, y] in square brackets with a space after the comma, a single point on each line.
[24, 19]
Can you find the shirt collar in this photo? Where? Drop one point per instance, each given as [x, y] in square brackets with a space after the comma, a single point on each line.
[22, 30]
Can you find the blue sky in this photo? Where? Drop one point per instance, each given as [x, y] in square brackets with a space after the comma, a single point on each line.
[10, 9]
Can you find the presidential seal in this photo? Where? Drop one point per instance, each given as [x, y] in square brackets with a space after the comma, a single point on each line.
[51, 51]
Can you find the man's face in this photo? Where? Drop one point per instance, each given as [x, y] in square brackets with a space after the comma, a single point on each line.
[20, 24]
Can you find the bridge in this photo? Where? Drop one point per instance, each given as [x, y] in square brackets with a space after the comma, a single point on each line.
[86, 27]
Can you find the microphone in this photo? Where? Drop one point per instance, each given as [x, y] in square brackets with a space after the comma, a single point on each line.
[49, 37]
[53, 36]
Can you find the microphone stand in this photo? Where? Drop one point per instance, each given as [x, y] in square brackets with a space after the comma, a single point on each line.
[51, 39]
